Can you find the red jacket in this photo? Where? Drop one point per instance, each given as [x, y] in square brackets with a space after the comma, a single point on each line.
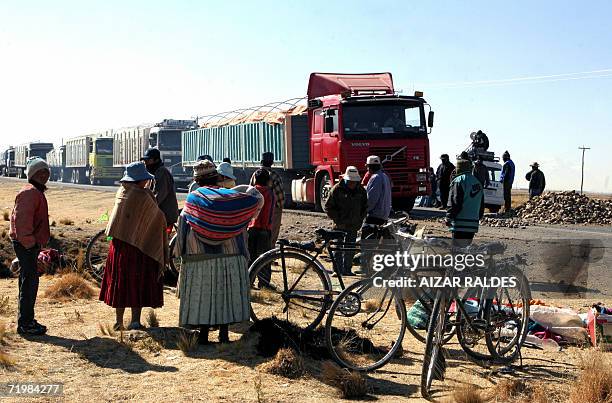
[30, 218]
[264, 219]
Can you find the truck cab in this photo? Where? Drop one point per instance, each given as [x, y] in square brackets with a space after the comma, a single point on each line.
[166, 136]
[352, 116]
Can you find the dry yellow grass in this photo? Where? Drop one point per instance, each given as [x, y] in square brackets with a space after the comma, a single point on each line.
[351, 384]
[6, 215]
[594, 384]
[5, 307]
[508, 389]
[188, 343]
[70, 286]
[467, 394]
[106, 329]
[66, 221]
[149, 344]
[3, 333]
[6, 361]
[151, 319]
[287, 363]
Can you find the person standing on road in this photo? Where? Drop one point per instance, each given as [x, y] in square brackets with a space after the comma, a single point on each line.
[29, 232]
[163, 186]
[507, 179]
[379, 196]
[444, 173]
[466, 204]
[537, 181]
[138, 251]
[433, 180]
[276, 184]
[346, 206]
[260, 229]
[481, 172]
[213, 284]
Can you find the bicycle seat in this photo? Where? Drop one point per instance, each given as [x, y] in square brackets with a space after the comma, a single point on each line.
[306, 245]
[328, 234]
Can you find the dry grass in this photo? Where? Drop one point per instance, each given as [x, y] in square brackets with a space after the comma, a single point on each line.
[3, 334]
[107, 329]
[468, 394]
[70, 286]
[371, 305]
[594, 384]
[264, 295]
[258, 384]
[287, 363]
[74, 317]
[6, 361]
[151, 319]
[508, 389]
[5, 307]
[3, 233]
[66, 221]
[149, 344]
[6, 215]
[188, 343]
[350, 384]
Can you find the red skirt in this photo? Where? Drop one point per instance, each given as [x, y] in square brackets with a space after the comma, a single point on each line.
[131, 278]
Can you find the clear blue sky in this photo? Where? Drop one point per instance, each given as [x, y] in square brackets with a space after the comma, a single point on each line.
[71, 67]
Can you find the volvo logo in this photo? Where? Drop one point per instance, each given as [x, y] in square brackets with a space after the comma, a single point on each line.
[360, 144]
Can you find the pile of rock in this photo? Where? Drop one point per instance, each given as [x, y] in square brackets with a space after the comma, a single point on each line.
[566, 208]
[500, 221]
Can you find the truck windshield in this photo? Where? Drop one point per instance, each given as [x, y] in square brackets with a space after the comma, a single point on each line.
[382, 119]
[169, 140]
[104, 146]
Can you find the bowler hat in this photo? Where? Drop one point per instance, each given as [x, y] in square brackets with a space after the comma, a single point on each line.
[151, 154]
[136, 172]
[226, 169]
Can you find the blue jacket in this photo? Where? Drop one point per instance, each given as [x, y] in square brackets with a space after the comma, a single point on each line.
[467, 203]
[507, 174]
[379, 196]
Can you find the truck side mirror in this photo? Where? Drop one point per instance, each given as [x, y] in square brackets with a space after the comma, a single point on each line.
[430, 119]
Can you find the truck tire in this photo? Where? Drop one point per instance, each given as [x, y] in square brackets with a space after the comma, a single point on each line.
[323, 192]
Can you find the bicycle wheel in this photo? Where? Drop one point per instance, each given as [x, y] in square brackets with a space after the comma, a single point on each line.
[290, 285]
[471, 332]
[365, 326]
[96, 254]
[434, 363]
[419, 311]
[508, 315]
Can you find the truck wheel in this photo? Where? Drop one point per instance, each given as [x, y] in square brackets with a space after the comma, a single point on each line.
[323, 193]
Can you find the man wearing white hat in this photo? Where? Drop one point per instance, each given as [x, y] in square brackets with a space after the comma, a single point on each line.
[379, 192]
[346, 206]
[29, 232]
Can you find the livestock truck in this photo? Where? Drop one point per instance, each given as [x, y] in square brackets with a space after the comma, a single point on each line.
[56, 159]
[29, 150]
[8, 162]
[131, 143]
[347, 118]
[89, 159]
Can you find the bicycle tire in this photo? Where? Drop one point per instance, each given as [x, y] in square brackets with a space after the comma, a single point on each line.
[93, 264]
[511, 351]
[433, 346]
[467, 341]
[291, 253]
[335, 311]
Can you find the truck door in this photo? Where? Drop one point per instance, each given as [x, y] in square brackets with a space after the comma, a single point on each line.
[316, 130]
[329, 143]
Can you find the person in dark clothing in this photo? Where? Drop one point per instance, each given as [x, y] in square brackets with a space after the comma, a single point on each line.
[481, 172]
[29, 232]
[433, 180]
[260, 229]
[444, 173]
[163, 186]
[507, 178]
[227, 159]
[346, 206]
[537, 181]
[467, 204]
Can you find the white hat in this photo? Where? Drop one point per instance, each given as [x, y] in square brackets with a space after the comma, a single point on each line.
[225, 169]
[352, 174]
[34, 165]
[373, 160]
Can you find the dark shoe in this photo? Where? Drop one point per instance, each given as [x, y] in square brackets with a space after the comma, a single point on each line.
[203, 337]
[224, 334]
[33, 329]
[38, 324]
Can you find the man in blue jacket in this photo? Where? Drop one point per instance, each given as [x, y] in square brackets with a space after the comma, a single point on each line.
[507, 178]
[466, 204]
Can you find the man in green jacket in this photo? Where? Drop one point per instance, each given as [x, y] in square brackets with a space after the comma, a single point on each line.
[347, 206]
[466, 204]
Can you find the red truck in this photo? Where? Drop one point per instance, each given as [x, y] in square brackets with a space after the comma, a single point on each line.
[349, 116]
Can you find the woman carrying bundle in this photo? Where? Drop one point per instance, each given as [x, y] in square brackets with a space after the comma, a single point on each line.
[213, 284]
[138, 250]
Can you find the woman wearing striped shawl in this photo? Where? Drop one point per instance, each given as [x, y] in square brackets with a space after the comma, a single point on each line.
[213, 284]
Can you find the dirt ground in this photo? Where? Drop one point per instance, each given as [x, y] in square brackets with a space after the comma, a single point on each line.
[77, 353]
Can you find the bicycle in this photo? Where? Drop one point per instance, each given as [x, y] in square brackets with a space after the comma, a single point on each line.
[501, 319]
[291, 280]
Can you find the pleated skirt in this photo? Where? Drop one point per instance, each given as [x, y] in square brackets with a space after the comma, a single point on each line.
[213, 290]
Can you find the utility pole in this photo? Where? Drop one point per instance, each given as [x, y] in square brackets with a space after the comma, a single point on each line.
[583, 148]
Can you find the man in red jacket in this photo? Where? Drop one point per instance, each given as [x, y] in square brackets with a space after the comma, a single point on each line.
[29, 233]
